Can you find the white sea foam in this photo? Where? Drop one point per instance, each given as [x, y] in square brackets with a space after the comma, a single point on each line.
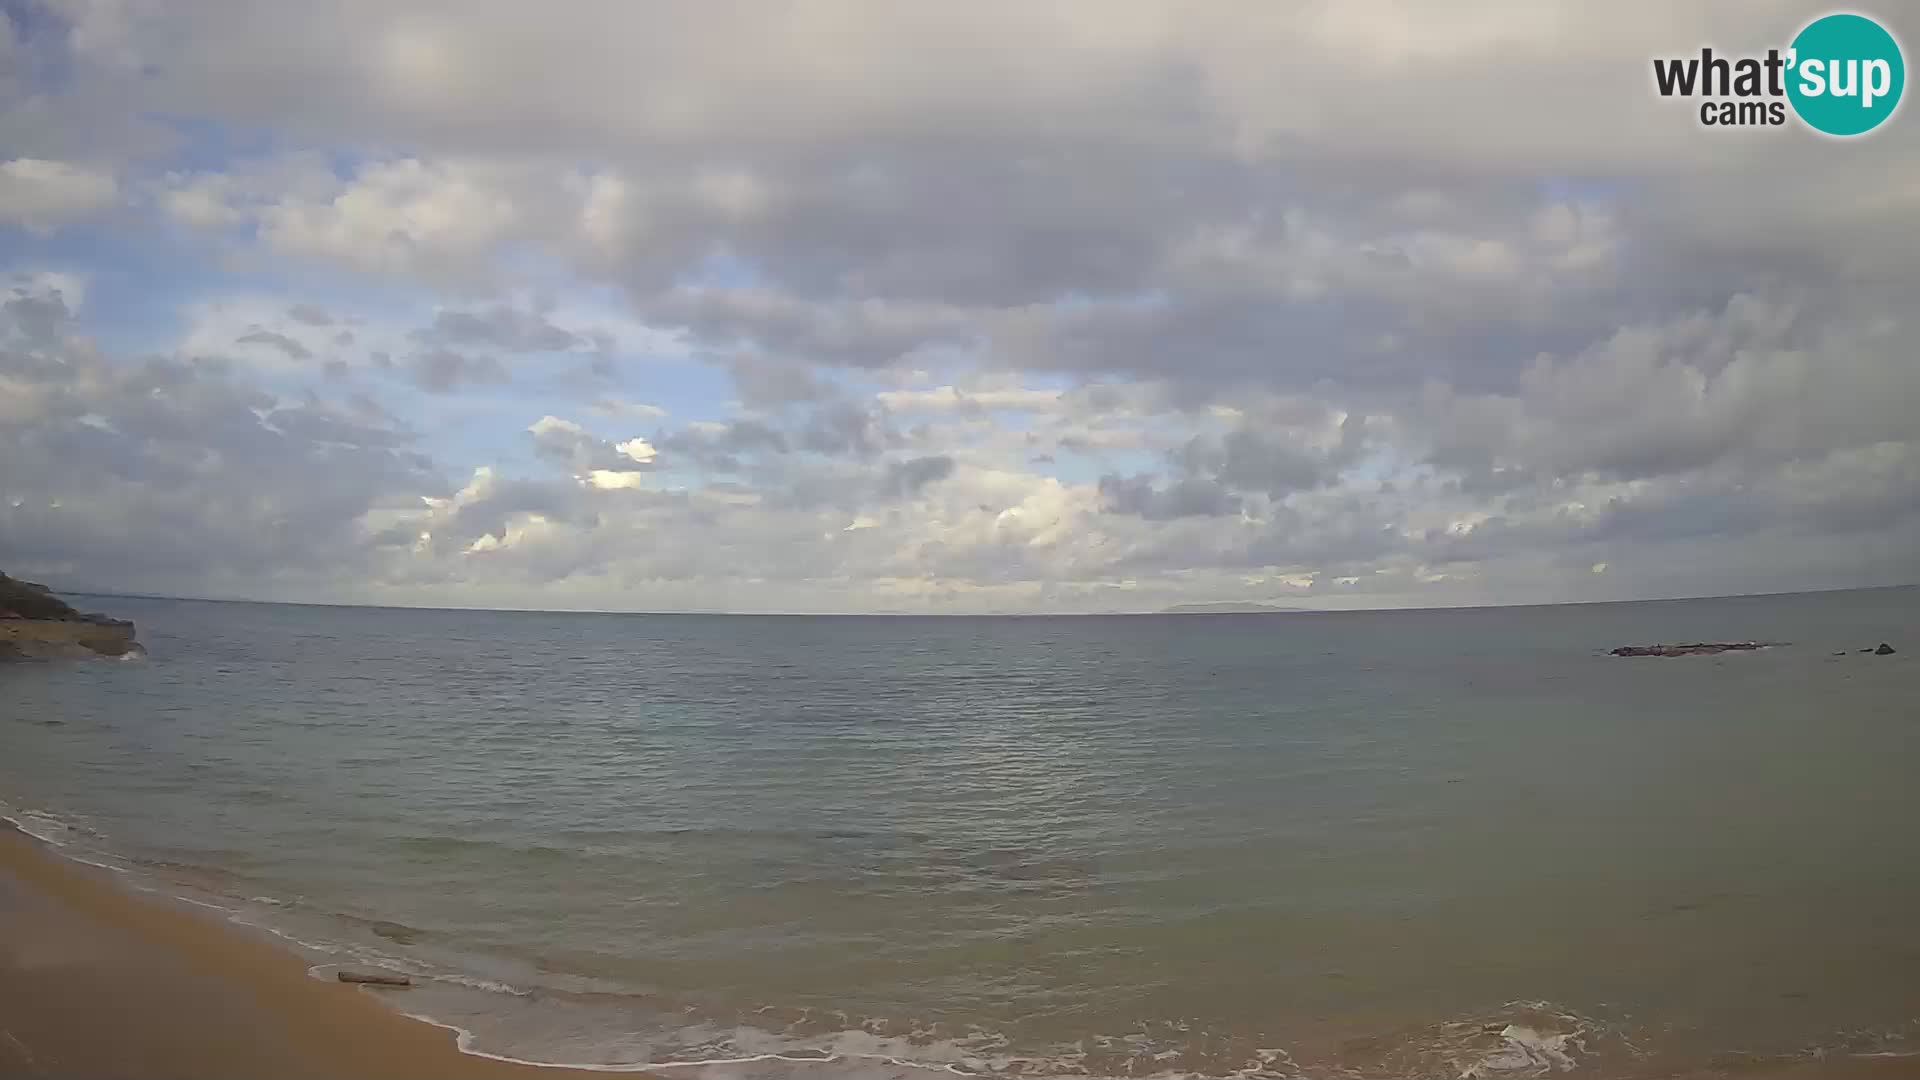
[322, 947]
[464, 1040]
[1526, 1051]
[747, 1053]
[221, 908]
[720, 1065]
[42, 826]
[474, 982]
[98, 865]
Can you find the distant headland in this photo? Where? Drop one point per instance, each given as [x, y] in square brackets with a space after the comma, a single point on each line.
[1230, 607]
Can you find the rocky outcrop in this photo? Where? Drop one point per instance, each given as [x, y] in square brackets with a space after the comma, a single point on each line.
[1709, 648]
[1884, 650]
[36, 623]
[1698, 648]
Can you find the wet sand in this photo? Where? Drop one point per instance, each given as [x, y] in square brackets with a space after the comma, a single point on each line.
[98, 981]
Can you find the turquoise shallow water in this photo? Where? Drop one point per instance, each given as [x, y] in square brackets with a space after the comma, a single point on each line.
[1345, 844]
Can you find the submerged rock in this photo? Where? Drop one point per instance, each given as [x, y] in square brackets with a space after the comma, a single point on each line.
[1698, 648]
[398, 933]
[36, 623]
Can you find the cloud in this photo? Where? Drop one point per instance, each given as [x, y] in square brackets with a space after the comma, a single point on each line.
[865, 333]
[499, 327]
[723, 447]
[1248, 459]
[285, 344]
[907, 478]
[1129, 316]
[42, 195]
[764, 384]
[954, 399]
[1187, 497]
[443, 371]
[586, 454]
[168, 474]
[623, 409]
[38, 308]
[1755, 382]
[846, 428]
[438, 219]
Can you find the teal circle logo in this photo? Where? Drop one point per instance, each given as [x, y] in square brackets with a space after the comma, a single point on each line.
[1846, 76]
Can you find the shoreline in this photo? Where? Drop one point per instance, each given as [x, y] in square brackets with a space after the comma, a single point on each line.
[96, 980]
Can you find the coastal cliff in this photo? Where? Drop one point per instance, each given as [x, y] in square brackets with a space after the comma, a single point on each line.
[36, 623]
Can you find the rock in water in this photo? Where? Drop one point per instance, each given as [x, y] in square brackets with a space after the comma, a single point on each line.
[395, 932]
[1884, 650]
[1698, 648]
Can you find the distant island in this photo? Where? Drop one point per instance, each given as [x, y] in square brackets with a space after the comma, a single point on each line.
[1230, 607]
[36, 623]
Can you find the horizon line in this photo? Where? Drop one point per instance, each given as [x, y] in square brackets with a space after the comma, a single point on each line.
[1270, 609]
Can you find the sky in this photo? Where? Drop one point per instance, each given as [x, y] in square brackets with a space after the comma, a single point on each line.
[937, 307]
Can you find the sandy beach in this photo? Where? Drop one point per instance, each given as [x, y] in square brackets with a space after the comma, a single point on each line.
[97, 981]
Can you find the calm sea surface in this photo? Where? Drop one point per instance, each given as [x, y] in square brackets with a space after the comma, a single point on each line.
[1391, 844]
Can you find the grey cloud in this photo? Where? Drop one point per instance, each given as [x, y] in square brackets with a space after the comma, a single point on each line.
[36, 318]
[317, 424]
[1841, 496]
[490, 514]
[369, 411]
[847, 428]
[442, 371]
[582, 451]
[1187, 497]
[764, 383]
[282, 342]
[499, 327]
[907, 478]
[221, 488]
[309, 314]
[1249, 460]
[863, 333]
[1582, 331]
[724, 447]
[1742, 384]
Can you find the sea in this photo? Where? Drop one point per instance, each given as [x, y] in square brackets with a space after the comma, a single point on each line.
[1426, 843]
